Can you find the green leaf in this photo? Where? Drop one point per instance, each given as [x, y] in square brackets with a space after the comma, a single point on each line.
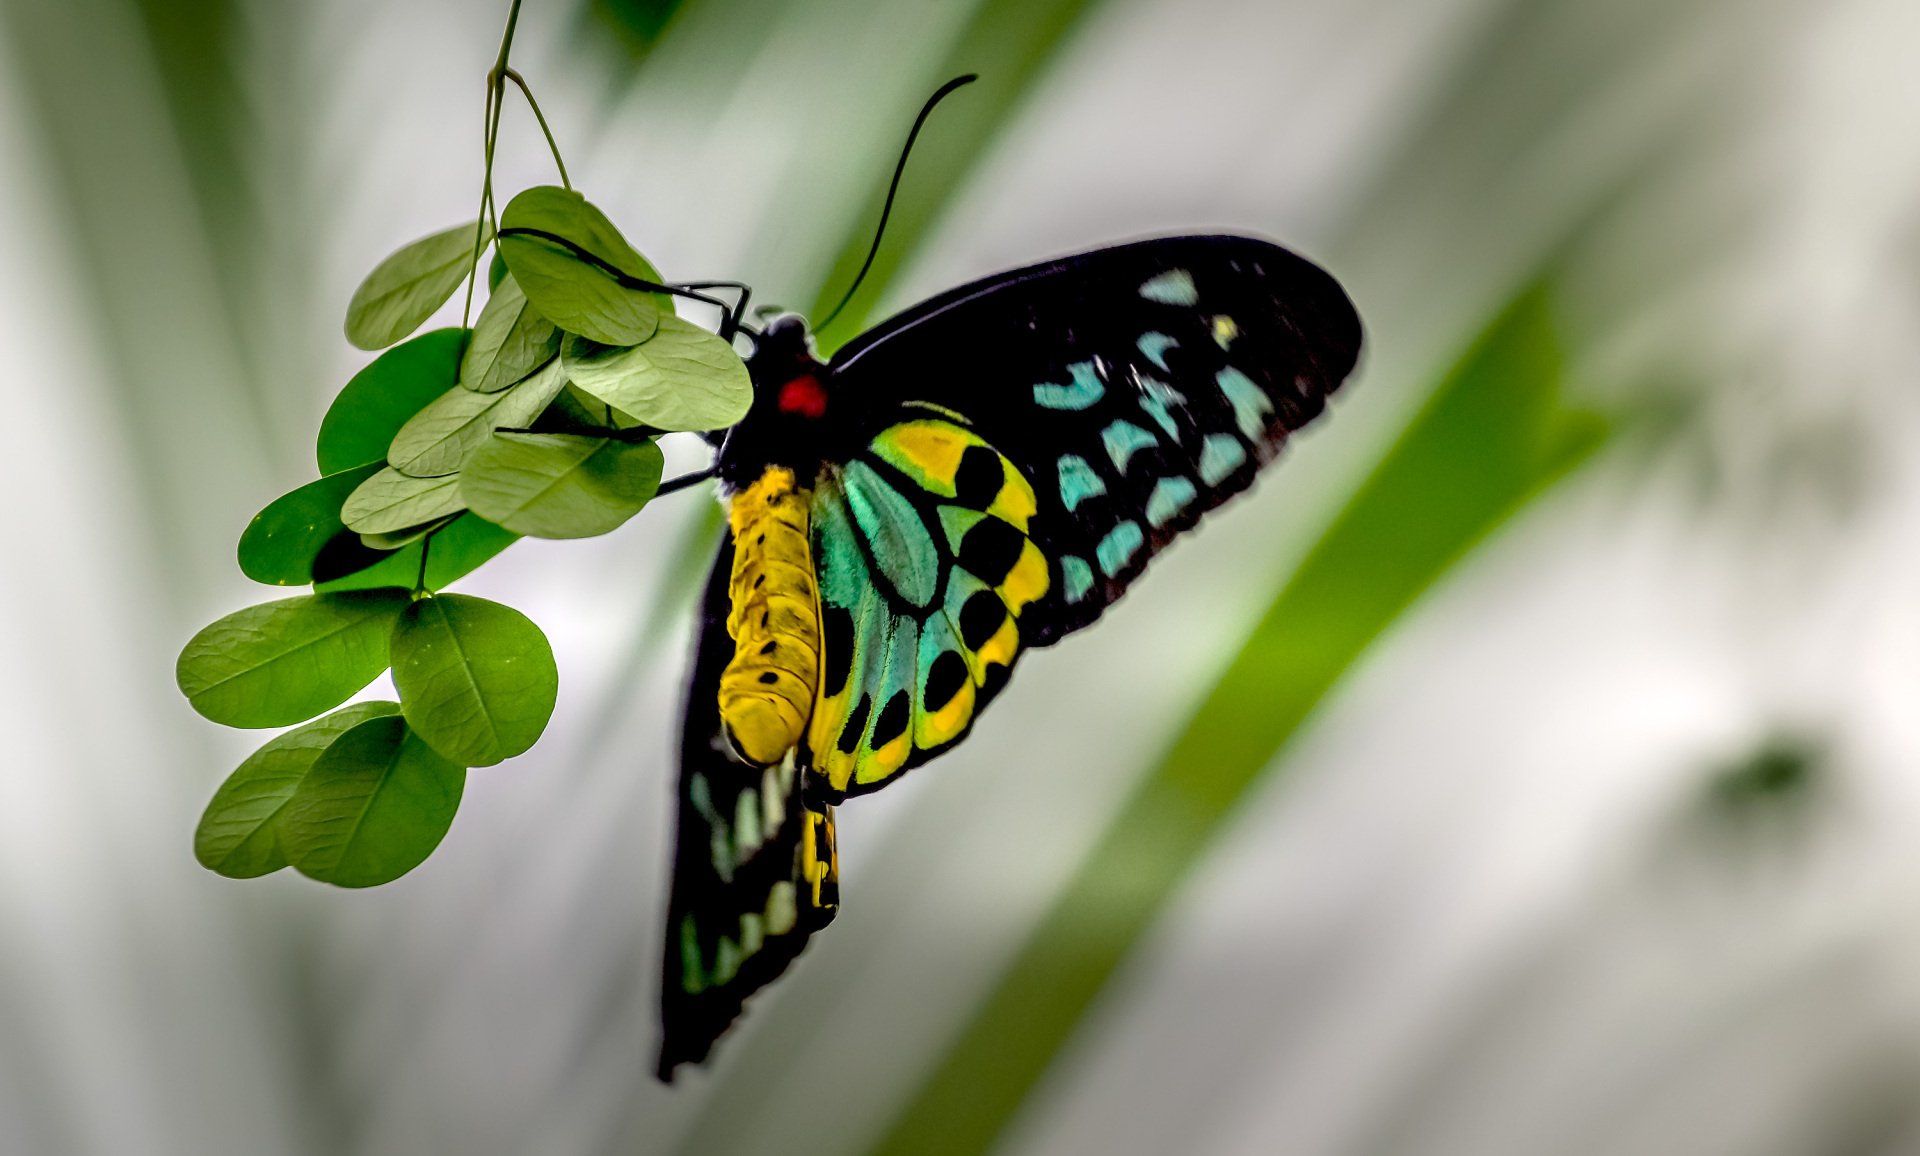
[378, 401]
[496, 270]
[477, 679]
[283, 662]
[236, 834]
[560, 485]
[510, 340]
[684, 378]
[392, 540]
[372, 808]
[580, 294]
[439, 438]
[284, 540]
[406, 288]
[577, 411]
[390, 501]
[466, 543]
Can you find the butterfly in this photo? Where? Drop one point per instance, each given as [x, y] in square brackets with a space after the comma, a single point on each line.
[981, 475]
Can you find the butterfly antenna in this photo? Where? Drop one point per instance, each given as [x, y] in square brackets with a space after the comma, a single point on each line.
[886, 209]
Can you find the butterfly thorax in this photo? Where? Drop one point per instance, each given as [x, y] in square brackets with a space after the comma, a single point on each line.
[794, 419]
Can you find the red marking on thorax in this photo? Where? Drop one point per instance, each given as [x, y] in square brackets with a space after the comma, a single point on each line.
[804, 396]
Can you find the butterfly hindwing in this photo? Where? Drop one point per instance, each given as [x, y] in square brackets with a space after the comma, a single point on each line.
[925, 566]
[1135, 387]
[755, 870]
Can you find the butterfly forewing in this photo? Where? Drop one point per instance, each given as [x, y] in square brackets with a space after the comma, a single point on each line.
[1134, 387]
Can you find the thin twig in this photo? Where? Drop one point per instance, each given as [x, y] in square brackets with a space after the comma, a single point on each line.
[552, 145]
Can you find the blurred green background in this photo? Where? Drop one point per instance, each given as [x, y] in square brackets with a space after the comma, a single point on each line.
[1531, 764]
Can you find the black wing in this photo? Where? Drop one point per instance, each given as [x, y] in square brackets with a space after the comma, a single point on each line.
[1135, 387]
[754, 873]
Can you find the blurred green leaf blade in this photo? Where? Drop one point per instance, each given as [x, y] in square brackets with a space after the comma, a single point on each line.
[236, 836]
[373, 806]
[435, 441]
[379, 399]
[560, 485]
[510, 340]
[683, 378]
[1493, 435]
[477, 680]
[284, 662]
[284, 541]
[580, 294]
[411, 283]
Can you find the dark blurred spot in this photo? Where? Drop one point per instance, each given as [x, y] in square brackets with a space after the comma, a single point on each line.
[633, 26]
[1782, 771]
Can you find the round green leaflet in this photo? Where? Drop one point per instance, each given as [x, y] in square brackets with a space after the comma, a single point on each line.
[438, 439]
[560, 485]
[390, 501]
[477, 680]
[381, 397]
[578, 411]
[416, 279]
[236, 833]
[284, 662]
[373, 806]
[510, 340]
[400, 539]
[571, 280]
[684, 378]
[457, 551]
[283, 541]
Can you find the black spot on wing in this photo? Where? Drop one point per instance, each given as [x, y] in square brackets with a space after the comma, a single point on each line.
[892, 722]
[978, 480]
[990, 549]
[991, 680]
[980, 618]
[839, 649]
[944, 680]
[856, 724]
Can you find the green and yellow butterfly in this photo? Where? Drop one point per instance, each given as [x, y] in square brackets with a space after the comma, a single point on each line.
[980, 475]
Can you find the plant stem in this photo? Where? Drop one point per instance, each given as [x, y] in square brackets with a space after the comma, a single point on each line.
[420, 580]
[496, 91]
[552, 145]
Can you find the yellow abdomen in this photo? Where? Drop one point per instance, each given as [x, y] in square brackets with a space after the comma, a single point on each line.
[766, 692]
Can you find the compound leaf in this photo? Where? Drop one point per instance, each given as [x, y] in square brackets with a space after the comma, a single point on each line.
[457, 550]
[378, 401]
[510, 340]
[406, 288]
[373, 806]
[683, 378]
[390, 501]
[477, 680]
[283, 542]
[284, 662]
[438, 438]
[236, 834]
[571, 263]
[551, 485]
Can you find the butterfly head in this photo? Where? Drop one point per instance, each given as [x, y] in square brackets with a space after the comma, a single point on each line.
[792, 405]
